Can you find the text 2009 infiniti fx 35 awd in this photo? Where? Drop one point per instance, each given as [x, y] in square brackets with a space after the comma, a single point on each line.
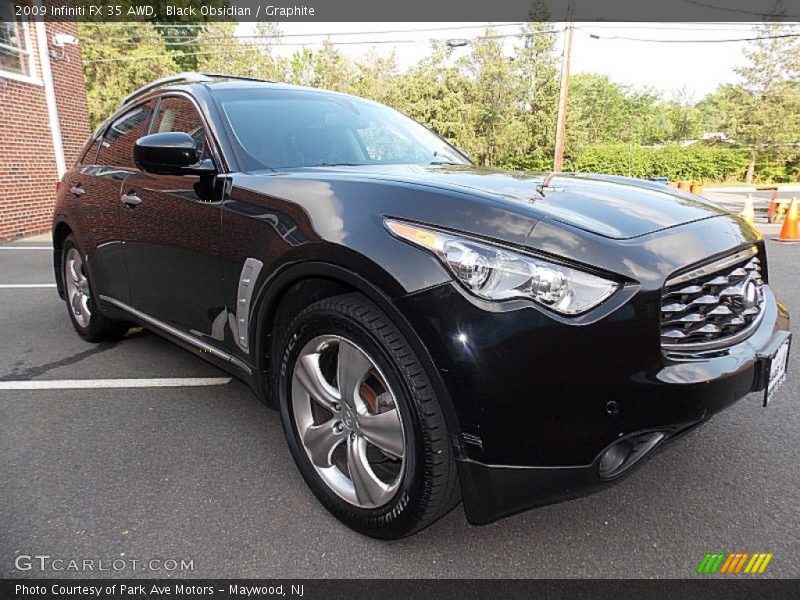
[430, 330]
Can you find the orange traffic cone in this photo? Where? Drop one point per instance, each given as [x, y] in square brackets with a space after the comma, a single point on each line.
[748, 212]
[773, 206]
[789, 229]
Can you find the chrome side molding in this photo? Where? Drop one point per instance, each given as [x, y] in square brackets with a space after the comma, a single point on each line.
[244, 296]
[181, 335]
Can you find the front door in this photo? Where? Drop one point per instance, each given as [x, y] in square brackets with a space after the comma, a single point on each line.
[171, 227]
[94, 190]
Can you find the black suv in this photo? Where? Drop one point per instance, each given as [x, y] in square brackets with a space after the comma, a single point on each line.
[430, 330]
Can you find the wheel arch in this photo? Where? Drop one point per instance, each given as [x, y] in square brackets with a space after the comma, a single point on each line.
[61, 230]
[304, 283]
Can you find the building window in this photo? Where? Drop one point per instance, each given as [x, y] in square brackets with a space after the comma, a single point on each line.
[15, 43]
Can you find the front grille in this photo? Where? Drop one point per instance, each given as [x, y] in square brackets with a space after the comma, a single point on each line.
[714, 305]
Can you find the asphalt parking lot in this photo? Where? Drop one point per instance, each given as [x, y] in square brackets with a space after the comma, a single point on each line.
[202, 473]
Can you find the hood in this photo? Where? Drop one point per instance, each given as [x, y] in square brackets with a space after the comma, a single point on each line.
[610, 206]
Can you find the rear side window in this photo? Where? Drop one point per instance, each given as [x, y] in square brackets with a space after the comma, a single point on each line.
[176, 113]
[116, 149]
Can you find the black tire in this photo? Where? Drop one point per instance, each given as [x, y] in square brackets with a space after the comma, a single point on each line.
[429, 485]
[99, 328]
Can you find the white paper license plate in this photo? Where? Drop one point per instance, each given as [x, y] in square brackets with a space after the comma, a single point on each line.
[777, 365]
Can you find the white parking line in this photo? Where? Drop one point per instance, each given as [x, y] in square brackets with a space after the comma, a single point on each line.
[83, 384]
[11, 286]
[26, 247]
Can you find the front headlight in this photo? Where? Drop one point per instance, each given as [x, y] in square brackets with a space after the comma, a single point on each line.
[495, 273]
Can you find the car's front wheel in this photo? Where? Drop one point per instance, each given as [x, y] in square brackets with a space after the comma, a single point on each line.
[87, 319]
[362, 419]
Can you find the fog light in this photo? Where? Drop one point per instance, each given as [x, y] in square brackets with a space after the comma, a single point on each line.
[614, 457]
[622, 455]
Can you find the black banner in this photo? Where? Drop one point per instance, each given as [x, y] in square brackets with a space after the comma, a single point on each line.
[408, 10]
[405, 589]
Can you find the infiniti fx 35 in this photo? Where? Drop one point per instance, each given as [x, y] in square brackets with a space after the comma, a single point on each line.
[431, 331]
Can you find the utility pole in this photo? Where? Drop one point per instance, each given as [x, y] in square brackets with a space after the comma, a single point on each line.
[561, 122]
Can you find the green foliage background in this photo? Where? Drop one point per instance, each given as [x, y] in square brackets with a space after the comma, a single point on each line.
[496, 104]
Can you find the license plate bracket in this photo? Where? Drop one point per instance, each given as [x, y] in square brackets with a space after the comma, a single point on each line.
[774, 361]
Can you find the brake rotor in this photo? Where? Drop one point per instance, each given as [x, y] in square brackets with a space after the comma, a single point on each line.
[377, 400]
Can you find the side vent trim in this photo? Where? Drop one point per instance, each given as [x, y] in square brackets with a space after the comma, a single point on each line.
[244, 296]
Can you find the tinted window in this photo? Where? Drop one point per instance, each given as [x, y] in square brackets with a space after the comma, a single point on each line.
[176, 113]
[276, 128]
[91, 152]
[120, 137]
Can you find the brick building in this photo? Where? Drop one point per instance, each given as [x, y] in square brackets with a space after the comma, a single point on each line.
[43, 116]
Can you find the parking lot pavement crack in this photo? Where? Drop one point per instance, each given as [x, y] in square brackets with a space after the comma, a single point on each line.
[32, 372]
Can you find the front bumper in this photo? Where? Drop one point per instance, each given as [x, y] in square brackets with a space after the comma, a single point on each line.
[539, 402]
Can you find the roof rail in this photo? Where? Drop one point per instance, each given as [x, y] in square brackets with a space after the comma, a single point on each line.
[186, 77]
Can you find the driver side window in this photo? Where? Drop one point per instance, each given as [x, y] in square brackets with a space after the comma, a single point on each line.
[116, 149]
[176, 113]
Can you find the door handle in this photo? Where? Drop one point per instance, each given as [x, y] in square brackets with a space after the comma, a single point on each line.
[77, 190]
[131, 199]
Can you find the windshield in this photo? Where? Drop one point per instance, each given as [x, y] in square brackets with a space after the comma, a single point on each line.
[281, 129]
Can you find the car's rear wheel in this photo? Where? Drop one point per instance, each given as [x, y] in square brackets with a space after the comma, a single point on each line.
[87, 319]
[362, 420]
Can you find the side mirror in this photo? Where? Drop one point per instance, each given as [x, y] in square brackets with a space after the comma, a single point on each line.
[170, 153]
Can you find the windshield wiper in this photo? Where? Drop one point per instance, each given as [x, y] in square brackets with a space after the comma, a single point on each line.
[324, 164]
[443, 160]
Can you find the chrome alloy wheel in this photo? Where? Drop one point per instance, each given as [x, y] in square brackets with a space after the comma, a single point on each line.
[77, 284]
[348, 421]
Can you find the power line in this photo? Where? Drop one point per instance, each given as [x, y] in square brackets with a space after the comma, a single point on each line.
[740, 11]
[237, 45]
[685, 41]
[348, 33]
[191, 38]
[718, 26]
[275, 42]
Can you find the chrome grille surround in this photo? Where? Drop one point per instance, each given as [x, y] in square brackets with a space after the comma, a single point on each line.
[713, 306]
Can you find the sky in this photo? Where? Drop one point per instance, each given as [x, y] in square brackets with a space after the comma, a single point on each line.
[697, 68]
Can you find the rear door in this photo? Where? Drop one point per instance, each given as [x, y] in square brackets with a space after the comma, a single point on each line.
[93, 189]
[171, 227]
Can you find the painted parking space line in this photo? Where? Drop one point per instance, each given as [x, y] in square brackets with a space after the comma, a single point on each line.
[84, 384]
[13, 286]
[26, 248]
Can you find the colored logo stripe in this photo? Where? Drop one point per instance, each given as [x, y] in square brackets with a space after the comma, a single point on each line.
[711, 562]
[758, 563]
[722, 562]
[734, 563]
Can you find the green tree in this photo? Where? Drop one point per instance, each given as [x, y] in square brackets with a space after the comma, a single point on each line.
[332, 69]
[766, 109]
[493, 99]
[300, 69]
[375, 77]
[536, 69]
[684, 118]
[219, 50]
[434, 92]
[597, 111]
[117, 59]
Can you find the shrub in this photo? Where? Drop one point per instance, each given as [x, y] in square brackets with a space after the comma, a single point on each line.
[698, 161]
